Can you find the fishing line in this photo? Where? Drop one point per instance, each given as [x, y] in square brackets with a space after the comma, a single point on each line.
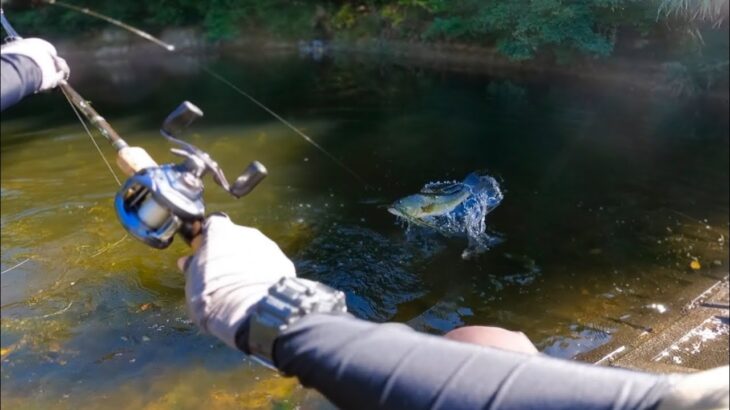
[101, 153]
[16, 266]
[13, 35]
[695, 220]
[58, 312]
[285, 122]
[171, 48]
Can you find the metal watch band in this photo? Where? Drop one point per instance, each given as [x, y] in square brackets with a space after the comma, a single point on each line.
[288, 300]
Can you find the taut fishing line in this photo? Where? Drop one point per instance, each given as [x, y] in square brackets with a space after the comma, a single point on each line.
[171, 48]
[285, 122]
[88, 132]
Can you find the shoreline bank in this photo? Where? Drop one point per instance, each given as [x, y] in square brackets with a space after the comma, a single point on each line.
[644, 76]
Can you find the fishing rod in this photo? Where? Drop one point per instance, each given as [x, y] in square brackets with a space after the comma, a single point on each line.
[79, 102]
[89, 12]
[158, 201]
[171, 48]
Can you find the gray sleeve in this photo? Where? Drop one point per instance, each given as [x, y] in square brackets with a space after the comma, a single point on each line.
[362, 365]
[19, 77]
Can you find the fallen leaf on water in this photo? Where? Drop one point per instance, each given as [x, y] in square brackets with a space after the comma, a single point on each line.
[5, 351]
[695, 264]
[148, 306]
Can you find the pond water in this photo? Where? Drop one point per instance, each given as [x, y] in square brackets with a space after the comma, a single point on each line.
[614, 200]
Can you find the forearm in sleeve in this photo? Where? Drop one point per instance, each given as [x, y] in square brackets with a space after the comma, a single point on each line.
[20, 77]
[362, 365]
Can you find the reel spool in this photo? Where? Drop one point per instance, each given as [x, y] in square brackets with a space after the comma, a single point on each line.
[157, 202]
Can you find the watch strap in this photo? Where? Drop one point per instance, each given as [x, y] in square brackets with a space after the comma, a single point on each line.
[287, 301]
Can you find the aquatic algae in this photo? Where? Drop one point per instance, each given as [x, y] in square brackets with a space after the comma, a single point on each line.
[454, 208]
[222, 391]
[268, 391]
[45, 339]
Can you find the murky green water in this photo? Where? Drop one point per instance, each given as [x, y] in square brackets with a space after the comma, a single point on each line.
[609, 196]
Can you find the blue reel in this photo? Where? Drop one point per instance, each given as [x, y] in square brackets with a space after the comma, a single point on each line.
[154, 203]
[157, 202]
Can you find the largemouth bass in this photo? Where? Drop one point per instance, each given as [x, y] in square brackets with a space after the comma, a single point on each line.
[454, 208]
[431, 201]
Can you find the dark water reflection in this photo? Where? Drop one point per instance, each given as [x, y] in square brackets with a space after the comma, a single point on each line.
[609, 195]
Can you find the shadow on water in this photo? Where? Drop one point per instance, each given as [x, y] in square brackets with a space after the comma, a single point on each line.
[608, 198]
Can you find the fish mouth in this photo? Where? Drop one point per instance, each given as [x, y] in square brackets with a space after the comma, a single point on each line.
[396, 212]
[410, 219]
[405, 216]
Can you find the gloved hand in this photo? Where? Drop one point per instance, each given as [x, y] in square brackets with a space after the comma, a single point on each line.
[230, 272]
[53, 68]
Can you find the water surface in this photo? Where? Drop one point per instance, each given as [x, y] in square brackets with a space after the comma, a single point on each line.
[610, 195]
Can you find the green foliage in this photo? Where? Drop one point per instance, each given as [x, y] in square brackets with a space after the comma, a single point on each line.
[345, 17]
[218, 17]
[219, 20]
[521, 28]
[281, 18]
[392, 14]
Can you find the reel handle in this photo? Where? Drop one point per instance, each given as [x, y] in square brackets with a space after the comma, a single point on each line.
[157, 202]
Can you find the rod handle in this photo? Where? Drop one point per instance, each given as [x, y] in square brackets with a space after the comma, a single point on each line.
[134, 159]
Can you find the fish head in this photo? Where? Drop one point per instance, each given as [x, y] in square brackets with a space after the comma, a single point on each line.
[411, 207]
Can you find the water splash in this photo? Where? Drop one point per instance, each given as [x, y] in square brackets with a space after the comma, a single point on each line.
[463, 208]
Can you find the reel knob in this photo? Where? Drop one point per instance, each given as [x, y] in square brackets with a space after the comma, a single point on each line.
[248, 180]
[181, 118]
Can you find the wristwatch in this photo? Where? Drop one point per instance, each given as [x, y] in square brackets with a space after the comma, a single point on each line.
[288, 300]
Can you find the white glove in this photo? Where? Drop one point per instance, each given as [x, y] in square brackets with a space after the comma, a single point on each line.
[230, 272]
[53, 68]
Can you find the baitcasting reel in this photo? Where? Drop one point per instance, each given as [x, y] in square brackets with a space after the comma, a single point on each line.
[158, 201]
